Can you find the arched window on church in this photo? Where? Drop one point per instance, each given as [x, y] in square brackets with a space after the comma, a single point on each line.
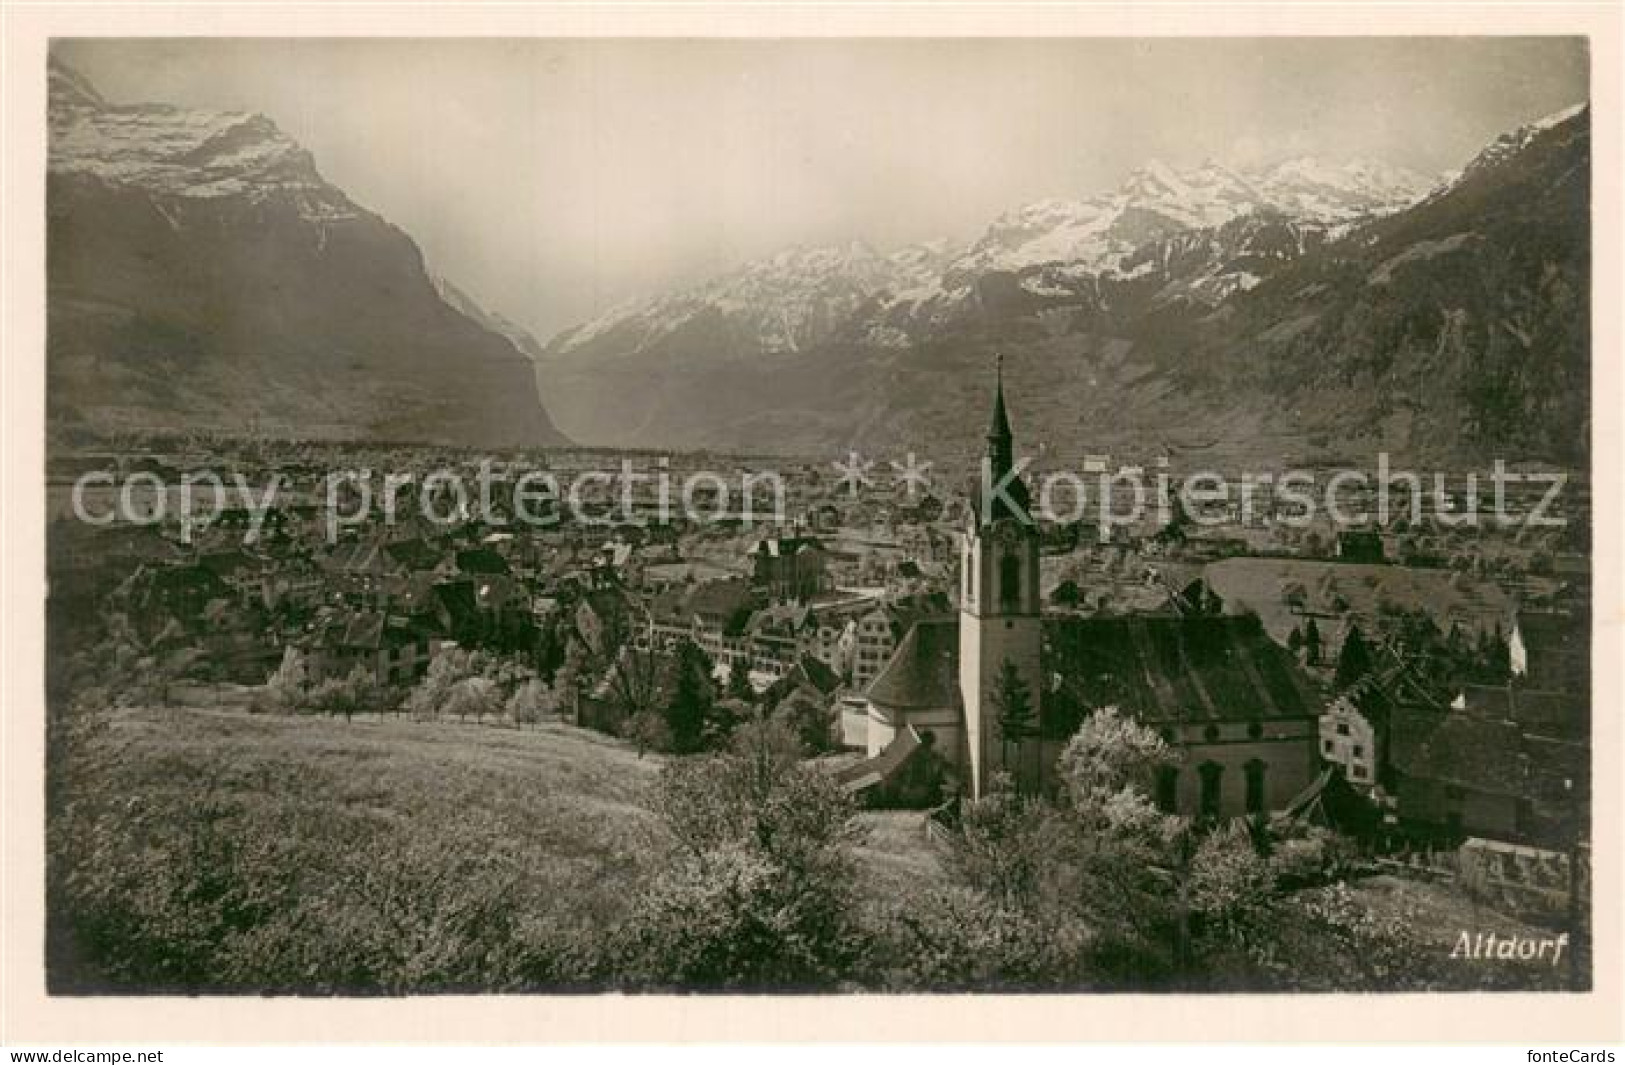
[1255, 786]
[1168, 789]
[1010, 581]
[1212, 774]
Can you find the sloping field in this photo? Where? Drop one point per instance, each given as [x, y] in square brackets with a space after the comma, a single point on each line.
[216, 848]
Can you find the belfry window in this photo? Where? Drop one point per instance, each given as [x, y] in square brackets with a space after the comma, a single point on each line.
[1010, 581]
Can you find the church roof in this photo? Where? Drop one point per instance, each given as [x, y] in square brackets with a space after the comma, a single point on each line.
[924, 670]
[1177, 669]
[1160, 669]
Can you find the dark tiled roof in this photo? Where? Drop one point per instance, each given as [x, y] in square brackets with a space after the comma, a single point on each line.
[924, 670]
[883, 766]
[1549, 631]
[457, 597]
[781, 619]
[1560, 715]
[362, 556]
[169, 580]
[1552, 762]
[1173, 669]
[817, 674]
[414, 554]
[481, 560]
[1160, 669]
[1467, 750]
[668, 606]
[1330, 802]
[225, 563]
[1558, 645]
[718, 600]
[364, 630]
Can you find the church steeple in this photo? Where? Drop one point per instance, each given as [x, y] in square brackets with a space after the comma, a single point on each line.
[1000, 441]
[997, 492]
[1001, 614]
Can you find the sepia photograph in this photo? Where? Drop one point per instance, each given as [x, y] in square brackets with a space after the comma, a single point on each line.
[852, 516]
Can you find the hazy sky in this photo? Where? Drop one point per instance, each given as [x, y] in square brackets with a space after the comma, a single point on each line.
[551, 179]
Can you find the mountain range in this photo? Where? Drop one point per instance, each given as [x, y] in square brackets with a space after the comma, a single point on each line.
[1304, 311]
[203, 275]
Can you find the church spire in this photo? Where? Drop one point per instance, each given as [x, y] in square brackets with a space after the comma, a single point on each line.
[1000, 493]
[1000, 441]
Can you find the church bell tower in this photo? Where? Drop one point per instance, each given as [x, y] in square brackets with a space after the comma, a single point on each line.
[999, 603]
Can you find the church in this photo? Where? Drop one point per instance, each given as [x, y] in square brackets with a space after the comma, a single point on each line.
[1240, 712]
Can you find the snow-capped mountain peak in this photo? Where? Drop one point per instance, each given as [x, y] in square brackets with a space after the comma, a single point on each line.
[1156, 201]
[1323, 191]
[782, 303]
[1511, 143]
[181, 154]
[797, 296]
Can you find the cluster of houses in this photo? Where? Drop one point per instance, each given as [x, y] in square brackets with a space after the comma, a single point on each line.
[906, 632]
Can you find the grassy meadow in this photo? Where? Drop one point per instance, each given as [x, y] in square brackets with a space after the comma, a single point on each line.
[207, 848]
[258, 851]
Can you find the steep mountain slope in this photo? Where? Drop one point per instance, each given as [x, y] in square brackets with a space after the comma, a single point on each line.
[643, 372]
[1304, 312]
[1460, 326]
[468, 307]
[202, 274]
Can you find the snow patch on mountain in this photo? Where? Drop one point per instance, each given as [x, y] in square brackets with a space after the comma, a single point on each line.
[1508, 145]
[1156, 201]
[785, 302]
[182, 154]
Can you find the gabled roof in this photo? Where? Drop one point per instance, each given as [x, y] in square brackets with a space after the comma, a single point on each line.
[779, 619]
[718, 600]
[1391, 684]
[882, 767]
[458, 600]
[361, 556]
[785, 546]
[1556, 714]
[1561, 643]
[1545, 630]
[1330, 802]
[364, 630]
[481, 560]
[1467, 750]
[816, 673]
[414, 554]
